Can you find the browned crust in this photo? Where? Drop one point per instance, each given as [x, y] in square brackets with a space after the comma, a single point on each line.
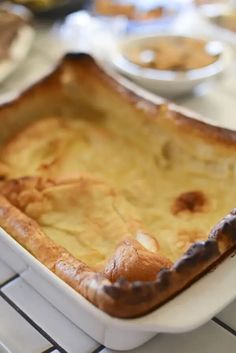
[122, 298]
[191, 201]
[173, 114]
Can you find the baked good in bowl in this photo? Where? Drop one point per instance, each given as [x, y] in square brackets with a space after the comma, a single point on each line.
[129, 10]
[173, 53]
[169, 65]
[113, 200]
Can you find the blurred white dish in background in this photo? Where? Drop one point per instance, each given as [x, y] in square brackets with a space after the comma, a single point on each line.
[140, 16]
[168, 83]
[17, 51]
[217, 17]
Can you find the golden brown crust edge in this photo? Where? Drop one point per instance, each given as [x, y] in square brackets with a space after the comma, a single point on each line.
[54, 82]
[174, 115]
[122, 299]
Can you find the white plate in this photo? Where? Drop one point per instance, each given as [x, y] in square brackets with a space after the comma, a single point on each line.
[18, 51]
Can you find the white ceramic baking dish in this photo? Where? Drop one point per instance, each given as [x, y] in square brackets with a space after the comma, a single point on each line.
[189, 310]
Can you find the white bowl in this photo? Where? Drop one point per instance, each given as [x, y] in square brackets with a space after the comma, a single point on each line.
[163, 82]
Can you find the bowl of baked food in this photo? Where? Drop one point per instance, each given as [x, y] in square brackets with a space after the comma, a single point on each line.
[15, 39]
[139, 15]
[170, 65]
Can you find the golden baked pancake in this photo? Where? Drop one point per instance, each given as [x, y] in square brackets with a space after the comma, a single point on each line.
[178, 207]
[116, 190]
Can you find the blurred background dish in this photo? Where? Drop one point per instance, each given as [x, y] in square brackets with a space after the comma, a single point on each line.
[170, 65]
[16, 36]
[209, 2]
[50, 9]
[130, 9]
[140, 15]
[103, 23]
[221, 19]
[227, 20]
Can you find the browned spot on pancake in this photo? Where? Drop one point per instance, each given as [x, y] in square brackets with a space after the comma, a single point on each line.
[191, 201]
